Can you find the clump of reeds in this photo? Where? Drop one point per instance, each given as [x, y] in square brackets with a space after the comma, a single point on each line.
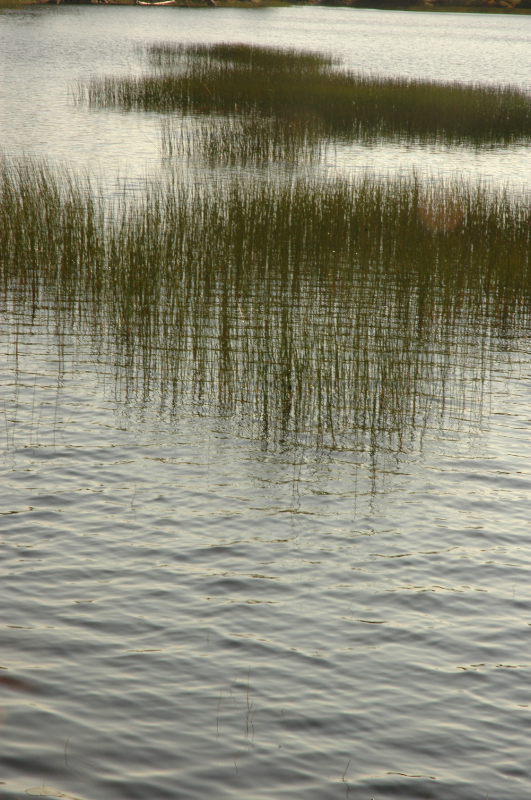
[242, 141]
[242, 79]
[309, 310]
[254, 57]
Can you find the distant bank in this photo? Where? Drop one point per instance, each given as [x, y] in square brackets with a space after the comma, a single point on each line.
[460, 6]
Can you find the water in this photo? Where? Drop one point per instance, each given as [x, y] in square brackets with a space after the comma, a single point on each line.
[189, 612]
[43, 51]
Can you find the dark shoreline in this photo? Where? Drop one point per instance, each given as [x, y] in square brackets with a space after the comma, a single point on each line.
[376, 6]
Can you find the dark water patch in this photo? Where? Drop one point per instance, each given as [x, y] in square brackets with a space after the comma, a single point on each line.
[15, 684]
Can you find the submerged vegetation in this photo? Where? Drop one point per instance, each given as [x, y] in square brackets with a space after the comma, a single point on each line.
[310, 91]
[308, 310]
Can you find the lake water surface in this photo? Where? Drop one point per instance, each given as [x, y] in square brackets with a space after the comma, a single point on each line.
[191, 611]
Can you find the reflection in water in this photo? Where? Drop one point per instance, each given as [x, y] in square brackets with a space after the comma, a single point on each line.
[15, 683]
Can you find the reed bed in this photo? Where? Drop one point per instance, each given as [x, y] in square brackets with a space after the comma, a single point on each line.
[249, 140]
[310, 311]
[255, 57]
[312, 91]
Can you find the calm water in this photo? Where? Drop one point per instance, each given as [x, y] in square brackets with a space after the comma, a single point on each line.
[43, 51]
[189, 613]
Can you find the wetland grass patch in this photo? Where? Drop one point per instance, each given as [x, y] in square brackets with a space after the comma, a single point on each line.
[248, 140]
[310, 91]
[308, 310]
[254, 57]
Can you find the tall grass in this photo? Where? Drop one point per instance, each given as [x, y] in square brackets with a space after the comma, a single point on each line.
[248, 140]
[254, 57]
[310, 311]
[311, 90]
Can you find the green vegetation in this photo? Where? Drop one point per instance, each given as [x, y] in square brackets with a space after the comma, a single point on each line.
[310, 92]
[254, 57]
[249, 140]
[476, 6]
[308, 310]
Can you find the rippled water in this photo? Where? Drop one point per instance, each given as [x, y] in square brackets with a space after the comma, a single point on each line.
[189, 612]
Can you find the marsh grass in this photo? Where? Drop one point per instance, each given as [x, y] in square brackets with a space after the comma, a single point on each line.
[253, 57]
[289, 85]
[249, 140]
[307, 310]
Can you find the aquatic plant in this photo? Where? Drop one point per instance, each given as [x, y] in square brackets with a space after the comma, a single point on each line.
[252, 56]
[309, 89]
[308, 310]
[240, 141]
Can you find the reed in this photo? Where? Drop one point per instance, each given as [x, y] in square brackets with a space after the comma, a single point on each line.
[249, 140]
[309, 311]
[238, 79]
[254, 57]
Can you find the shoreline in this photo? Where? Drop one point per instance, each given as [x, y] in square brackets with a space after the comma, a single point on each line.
[375, 6]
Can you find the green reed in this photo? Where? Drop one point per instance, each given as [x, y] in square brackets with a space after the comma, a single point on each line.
[318, 311]
[247, 140]
[255, 57]
[310, 91]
